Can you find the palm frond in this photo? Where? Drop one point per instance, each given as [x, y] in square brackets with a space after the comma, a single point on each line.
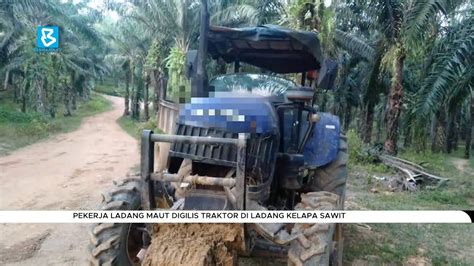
[419, 17]
[354, 45]
[391, 18]
[452, 75]
[236, 15]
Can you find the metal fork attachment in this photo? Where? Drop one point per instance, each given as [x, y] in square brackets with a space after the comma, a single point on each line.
[148, 174]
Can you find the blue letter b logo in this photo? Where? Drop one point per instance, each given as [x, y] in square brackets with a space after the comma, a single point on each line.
[48, 37]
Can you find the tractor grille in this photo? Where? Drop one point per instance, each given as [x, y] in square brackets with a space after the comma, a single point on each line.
[208, 153]
[260, 162]
[261, 150]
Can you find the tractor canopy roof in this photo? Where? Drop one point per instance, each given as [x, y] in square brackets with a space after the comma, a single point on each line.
[271, 47]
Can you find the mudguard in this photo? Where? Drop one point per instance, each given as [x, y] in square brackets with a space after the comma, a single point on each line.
[321, 148]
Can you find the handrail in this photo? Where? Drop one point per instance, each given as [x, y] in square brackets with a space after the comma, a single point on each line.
[192, 139]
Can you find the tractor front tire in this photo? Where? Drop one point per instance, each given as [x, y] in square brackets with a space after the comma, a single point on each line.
[117, 244]
[313, 246]
[333, 176]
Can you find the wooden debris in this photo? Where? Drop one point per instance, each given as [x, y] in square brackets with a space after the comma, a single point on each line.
[414, 174]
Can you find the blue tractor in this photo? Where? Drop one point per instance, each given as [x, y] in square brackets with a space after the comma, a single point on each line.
[244, 141]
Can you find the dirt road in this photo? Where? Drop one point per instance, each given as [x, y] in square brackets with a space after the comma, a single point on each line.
[67, 171]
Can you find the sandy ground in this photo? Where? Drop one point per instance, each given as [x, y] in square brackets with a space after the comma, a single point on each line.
[67, 171]
[206, 244]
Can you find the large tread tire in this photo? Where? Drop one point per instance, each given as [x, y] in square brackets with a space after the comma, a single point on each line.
[109, 242]
[333, 177]
[313, 246]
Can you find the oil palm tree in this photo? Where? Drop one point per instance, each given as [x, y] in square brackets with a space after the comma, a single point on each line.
[175, 27]
[129, 43]
[41, 76]
[405, 24]
[371, 52]
[449, 82]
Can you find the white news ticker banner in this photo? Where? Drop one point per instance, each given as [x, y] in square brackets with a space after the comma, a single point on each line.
[161, 216]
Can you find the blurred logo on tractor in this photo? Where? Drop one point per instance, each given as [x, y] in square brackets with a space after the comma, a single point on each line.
[47, 38]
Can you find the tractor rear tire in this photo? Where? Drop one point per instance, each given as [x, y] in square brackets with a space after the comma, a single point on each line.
[117, 244]
[333, 176]
[314, 244]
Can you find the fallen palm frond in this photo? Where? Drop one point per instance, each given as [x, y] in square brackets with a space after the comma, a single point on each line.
[415, 174]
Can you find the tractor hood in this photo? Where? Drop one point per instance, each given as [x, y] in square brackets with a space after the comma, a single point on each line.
[236, 114]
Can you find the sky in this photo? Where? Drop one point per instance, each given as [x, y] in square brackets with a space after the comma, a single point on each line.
[99, 5]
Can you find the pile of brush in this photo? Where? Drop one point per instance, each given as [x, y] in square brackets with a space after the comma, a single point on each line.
[414, 175]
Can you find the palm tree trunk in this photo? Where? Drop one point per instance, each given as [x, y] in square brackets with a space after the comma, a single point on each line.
[450, 130]
[155, 84]
[457, 130]
[379, 127]
[136, 105]
[72, 91]
[368, 122]
[163, 88]
[438, 139]
[347, 117]
[441, 141]
[87, 91]
[52, 103]
[408, 137]
[9, 83]
[469, 131]
[146, 114]
[7, 80]
[73, 99]
[24, 96]
[467, 151]
[49, 96]
[67, 101]
[433, 126]
[456, 139]
[39, 96]
[370, 98]
[126, 110]
[134, 91]
[394, 107]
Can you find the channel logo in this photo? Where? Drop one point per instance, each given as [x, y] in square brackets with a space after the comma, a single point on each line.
[47, 38]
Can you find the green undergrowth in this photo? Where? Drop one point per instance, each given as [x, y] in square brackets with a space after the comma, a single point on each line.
[19, 129]
[135, 128]
[393, 244]
[457, 193]
[359, 155]
[109, 89]
[441, 163]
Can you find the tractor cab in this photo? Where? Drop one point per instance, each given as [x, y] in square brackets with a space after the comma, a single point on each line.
[285, 133]
[266, 102]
